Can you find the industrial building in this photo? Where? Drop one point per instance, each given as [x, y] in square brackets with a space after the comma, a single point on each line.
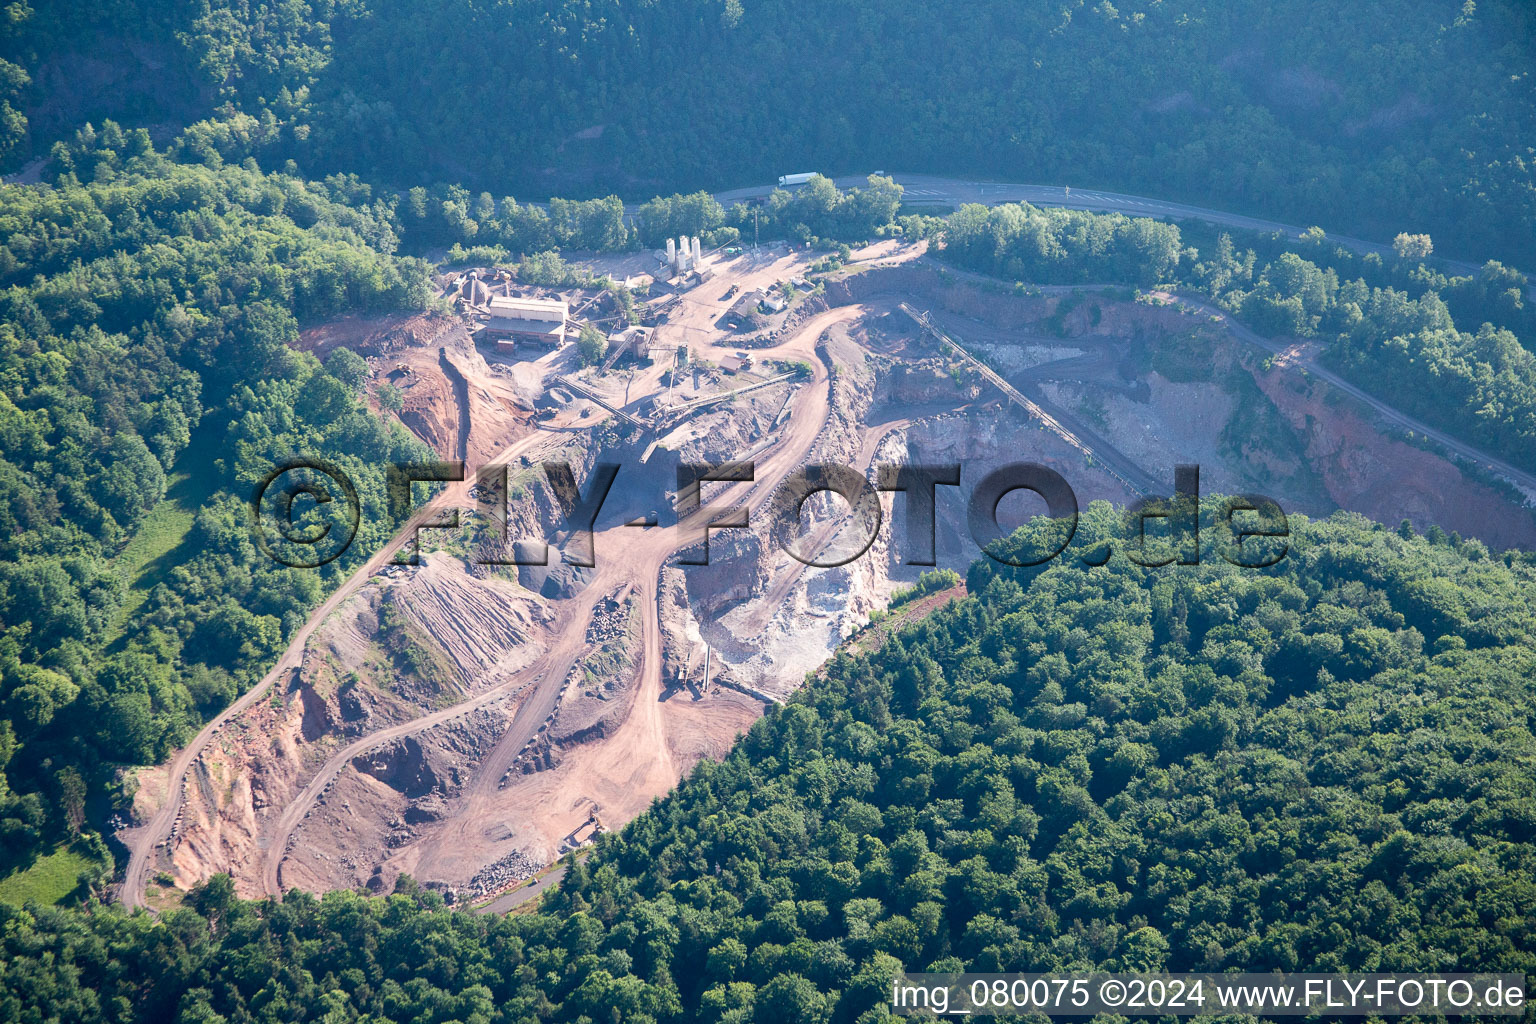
[746, 306]
[540, 321]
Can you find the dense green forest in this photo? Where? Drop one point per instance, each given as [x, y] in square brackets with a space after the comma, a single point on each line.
[1020, 242]
[1327, 765]
[1372, 118]
[146, 383]
[818, 212]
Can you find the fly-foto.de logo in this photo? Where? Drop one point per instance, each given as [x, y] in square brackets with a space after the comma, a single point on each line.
[306, 513]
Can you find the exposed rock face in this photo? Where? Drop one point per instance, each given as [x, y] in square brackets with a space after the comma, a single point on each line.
[736, 570]
[1368, 469]
[430, 807]
[431, 412]
[401, 765]
[913, 384]
[680, 638]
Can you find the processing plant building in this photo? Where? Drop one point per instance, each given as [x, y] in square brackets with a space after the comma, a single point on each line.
[541, 321]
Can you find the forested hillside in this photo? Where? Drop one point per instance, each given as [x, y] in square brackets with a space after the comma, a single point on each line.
[145, 325]
[1370, 118]
[1328, 765]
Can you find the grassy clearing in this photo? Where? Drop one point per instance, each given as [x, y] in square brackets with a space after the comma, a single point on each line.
[141, 562]
[149, 557]
[162, 896]
[47, 881]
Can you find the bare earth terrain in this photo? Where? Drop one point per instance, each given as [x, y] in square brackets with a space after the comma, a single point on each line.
[466, 722]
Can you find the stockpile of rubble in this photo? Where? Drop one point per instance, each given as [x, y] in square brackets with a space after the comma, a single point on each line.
[610, 619]
[679, 629]
[478, 623]
[513, 868]
[416, 332]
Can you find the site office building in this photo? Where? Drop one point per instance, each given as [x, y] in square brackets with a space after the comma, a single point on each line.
[540, 321]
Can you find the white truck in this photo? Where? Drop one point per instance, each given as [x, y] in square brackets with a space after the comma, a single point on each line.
[795, 179]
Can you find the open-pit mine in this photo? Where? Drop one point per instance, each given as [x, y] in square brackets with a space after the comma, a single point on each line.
[467, 722]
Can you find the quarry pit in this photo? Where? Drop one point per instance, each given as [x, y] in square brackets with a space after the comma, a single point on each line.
[467, 722]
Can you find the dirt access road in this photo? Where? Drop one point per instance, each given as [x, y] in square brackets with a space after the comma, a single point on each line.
[159, 827]
[635, 759]
[1526, 482]
[756, 270]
